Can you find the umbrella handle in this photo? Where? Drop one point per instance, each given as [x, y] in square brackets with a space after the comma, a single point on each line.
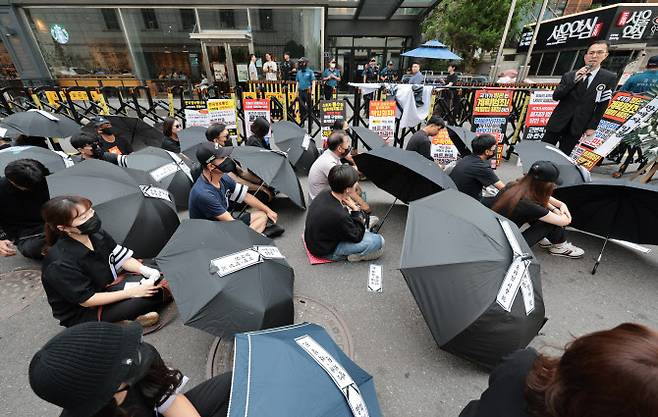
[598, 260]
[245, 206]
[381, 223]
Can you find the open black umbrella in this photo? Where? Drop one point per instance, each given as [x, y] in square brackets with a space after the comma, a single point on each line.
[292, 139]
[167, 168]
[134, 210]
[273, 168]
[614, 209]
[191, 136]
[221, 283]
[461, 138]
[40, 123]
[139, 133]
[474, 304]
[370, 139]
[54, 161]
[531, 151]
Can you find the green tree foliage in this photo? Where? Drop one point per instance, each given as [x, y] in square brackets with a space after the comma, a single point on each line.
[468, 26]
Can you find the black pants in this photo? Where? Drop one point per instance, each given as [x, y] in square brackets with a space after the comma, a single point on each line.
[305, 104]
[328, 92]
[539, 230]
[564, 137]
[366, 101]
[132, 308]
[211, 397]
[31, 246]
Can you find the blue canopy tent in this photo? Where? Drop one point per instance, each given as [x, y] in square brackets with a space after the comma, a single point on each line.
[298, 371]
[433, 50]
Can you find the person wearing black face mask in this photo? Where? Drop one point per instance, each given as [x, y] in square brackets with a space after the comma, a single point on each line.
[89, 148]
[473, 172]
[108, 139]
[81, 272]
[210, 195]
[23, 191]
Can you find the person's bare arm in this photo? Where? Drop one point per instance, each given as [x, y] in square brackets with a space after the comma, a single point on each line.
[253, 202]
[500, 185]
[225, 217]
[557, 218]
[110, 297]
[360, 202]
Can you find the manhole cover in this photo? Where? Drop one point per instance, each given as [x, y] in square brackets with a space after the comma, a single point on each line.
[17, 290]
[220, 357]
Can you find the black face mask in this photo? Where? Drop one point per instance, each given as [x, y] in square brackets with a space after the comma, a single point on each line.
[302, 66]
[347, 151]
[107, 131]
[228, 165]
[96, 150]
[91, 226]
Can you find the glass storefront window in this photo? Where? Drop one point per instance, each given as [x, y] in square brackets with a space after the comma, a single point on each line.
[7, 69]
[547, 63]
[80, 42]
[222, 19]
[161, 44]
[294, 30]
[564, 62]
[364, 42]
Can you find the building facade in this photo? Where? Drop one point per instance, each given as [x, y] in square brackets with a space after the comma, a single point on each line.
[73, 42]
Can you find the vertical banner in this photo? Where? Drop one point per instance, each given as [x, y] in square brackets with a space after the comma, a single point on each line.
[382, 119]
[254, 108]
[170, 104]
[491, 108]
[196, 113]
[223, 111]
[330, 111]
[590, 150]
[540, 109]
[443, 150]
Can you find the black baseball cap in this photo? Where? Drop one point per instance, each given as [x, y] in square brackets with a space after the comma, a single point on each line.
[545, 171]
[653, 61]
[209, 151]
[98, 121]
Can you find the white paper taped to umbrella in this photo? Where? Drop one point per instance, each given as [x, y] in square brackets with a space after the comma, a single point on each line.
[306, 142]
[235, 262]
[155, 192]
[164, 171]
[3, 132]
[46, 114]
[269, 252]
[517, 277]
[375, 278]
[181, 164]
[338, 374]
[68, 162]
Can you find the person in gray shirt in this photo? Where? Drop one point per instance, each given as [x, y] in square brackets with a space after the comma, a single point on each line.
[417, 77]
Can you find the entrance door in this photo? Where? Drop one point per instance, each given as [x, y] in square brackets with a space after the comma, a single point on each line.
[226, 61]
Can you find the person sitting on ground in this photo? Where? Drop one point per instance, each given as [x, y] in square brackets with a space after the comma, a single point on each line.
[339, 124]
[80, 272]
[170, 129]
[210, 195]
[108, 139]
[339, 145]
[420, 141]
[529, 200]
[218, 133]
[88, 148]
[473, 172]
[23, 190]
[260, 128]
[105, 369]
[601, 374]
[336, 226]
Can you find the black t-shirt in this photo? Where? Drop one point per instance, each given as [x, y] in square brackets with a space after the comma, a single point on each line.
[452, 78]
[328, 223]
[372, 74]
[526, 211]
[471, 173]
[254, 140]
[505, 396]
[71, 274]
[20, 211]
[120, 146]
[171, 145]
[420, 142]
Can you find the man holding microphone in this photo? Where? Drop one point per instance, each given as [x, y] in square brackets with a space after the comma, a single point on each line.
[583, 96]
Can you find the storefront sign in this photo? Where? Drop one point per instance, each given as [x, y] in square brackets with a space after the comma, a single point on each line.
[330, 111]
[442, 149]
[223, 111]
[254, 108]
[540, 108]
[59, 34]
[633, 24]
[382, 119]
[490, 110]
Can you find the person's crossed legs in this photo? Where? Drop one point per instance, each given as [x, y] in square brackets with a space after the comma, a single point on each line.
[370, 247]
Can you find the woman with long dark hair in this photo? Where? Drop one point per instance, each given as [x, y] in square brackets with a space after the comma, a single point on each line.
[81, 272]
[529, 201]
[106, 370]
[170, 128]
[609, 373]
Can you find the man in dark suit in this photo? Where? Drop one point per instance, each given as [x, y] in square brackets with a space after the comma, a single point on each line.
[583, 96]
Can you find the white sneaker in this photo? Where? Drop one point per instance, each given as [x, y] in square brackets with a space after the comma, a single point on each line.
[374, 221]
[545, 243]
[567, 250]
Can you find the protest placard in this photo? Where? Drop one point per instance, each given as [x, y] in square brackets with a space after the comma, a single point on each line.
[540, 108]
[254, 108]
[330, 111]
[442, 149]
[223, 111]
[490, 111]
[382, 119]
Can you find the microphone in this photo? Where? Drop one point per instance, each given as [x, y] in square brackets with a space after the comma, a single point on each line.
[582, 77]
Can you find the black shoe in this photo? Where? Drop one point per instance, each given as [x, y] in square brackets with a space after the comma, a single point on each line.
[273, 231]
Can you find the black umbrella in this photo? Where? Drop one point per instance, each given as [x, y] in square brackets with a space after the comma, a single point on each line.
[137, 132]
[54, 161]
[370, 139]
[531, 151]
[273, 168]
[472, 306]
[461, 138]
[614, 209]
[41, 123]
[292, 139]
[167, 168]
[191, 136]
[134, 210]
[211, 298]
